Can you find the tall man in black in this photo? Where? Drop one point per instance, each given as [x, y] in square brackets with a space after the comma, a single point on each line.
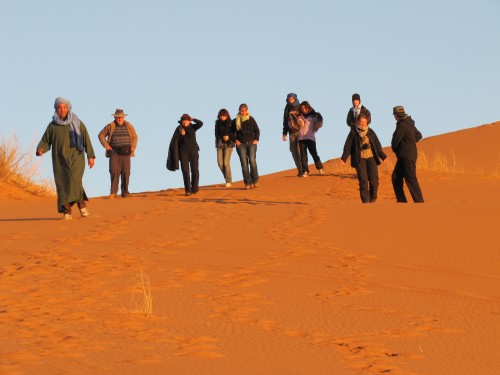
[404, 144]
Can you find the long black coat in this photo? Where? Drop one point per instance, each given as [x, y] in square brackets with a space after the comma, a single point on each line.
[178, 141]
[352, 147]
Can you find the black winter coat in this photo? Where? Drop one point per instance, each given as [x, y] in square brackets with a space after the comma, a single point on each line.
[352, 147]
[223, 128]
[351, 121]
[184, 142]
[405, 138]
[249, 131]
[288, 108]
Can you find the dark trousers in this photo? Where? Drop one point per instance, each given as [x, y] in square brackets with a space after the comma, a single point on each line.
[190, 158]
[307, 144]
[367, 171]
[406, 170]
[119, 167]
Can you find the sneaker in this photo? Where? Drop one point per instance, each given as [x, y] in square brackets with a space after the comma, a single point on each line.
[248, 187]
[305, 174]
[187, 193]
[256, 184]
[228, 184]
[125, 195]
[321, 171]
[84, 212]
[67, 217]
[111, 196]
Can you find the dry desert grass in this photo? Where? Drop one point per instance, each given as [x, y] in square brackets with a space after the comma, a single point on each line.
[19, 170]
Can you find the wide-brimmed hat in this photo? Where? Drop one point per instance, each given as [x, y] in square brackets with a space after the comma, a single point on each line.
[119, 113]
[185, 116]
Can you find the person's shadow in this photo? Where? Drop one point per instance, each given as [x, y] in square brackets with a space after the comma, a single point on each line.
[31, 219]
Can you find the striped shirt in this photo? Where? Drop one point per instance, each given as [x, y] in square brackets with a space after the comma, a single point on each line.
[120, 136]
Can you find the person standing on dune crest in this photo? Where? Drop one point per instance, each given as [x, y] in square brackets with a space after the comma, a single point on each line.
[404, 144]
[68, 138]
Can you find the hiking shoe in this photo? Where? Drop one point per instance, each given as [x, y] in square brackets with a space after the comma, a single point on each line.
[67, 217]
[111, 196]
[125, 195]
[228, 184]
[84, 212]
[321, 171]
[256, 184]
[248, 187]
[305, 174]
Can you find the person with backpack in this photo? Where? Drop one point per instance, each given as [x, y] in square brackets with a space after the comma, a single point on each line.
[292, 104]
[309, 121]
[365, 150]
[120, 141]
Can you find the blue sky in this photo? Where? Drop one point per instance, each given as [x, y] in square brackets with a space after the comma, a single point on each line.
[160, 59]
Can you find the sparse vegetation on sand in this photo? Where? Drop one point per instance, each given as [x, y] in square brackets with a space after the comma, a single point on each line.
[18, 169]
[141, 296]
[439, 162]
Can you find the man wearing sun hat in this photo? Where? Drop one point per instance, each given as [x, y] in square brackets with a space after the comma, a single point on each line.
[404, 144]
[120, 141]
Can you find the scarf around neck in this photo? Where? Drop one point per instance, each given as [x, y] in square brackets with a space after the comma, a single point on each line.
[240, 119]
[75, 133]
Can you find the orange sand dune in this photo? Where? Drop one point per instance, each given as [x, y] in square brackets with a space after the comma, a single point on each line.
[296, 277]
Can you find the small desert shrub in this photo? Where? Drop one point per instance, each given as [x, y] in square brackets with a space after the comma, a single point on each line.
[19, 168]
[438, 163]
[141, 296]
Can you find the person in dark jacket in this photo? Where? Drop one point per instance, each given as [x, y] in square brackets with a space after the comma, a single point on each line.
[404, 144]
[184, 148]
[292, 104]
[224, 145]
[365, 150]
[355, 110]
[245, 133]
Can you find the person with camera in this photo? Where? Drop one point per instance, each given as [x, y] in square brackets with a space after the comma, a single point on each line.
[120, 141]
[245, 134]
[365, 150]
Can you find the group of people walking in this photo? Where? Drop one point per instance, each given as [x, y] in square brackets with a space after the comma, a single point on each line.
[69, 140]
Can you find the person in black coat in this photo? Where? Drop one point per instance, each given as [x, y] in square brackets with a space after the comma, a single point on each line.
[365, 150]
[245, 133]
[355, 110]
[404, 144]
[184, 148]
[292, 104]
[224, 145]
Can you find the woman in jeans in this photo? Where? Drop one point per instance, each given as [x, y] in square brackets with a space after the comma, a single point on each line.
[245, 134]
[309, 122]
[224, 145]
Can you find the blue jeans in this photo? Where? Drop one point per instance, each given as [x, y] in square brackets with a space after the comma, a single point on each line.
[223, 160]
[248, 153]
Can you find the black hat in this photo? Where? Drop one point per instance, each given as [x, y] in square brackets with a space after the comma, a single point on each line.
[356, 96]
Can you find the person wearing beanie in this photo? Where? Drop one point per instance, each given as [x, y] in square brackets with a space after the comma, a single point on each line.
[292, 105]
[224, 145]
[184, 149]
[120, 141]
[365, 150]
[355, 110]
[245, 133]
[404, 144]
[68, 138]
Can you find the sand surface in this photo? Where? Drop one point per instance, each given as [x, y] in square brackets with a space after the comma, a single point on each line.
[296, 277]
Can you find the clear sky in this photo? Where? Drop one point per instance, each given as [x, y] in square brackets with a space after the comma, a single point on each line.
[159, 59]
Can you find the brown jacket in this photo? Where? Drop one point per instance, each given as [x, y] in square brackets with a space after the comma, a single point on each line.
[107, 132]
